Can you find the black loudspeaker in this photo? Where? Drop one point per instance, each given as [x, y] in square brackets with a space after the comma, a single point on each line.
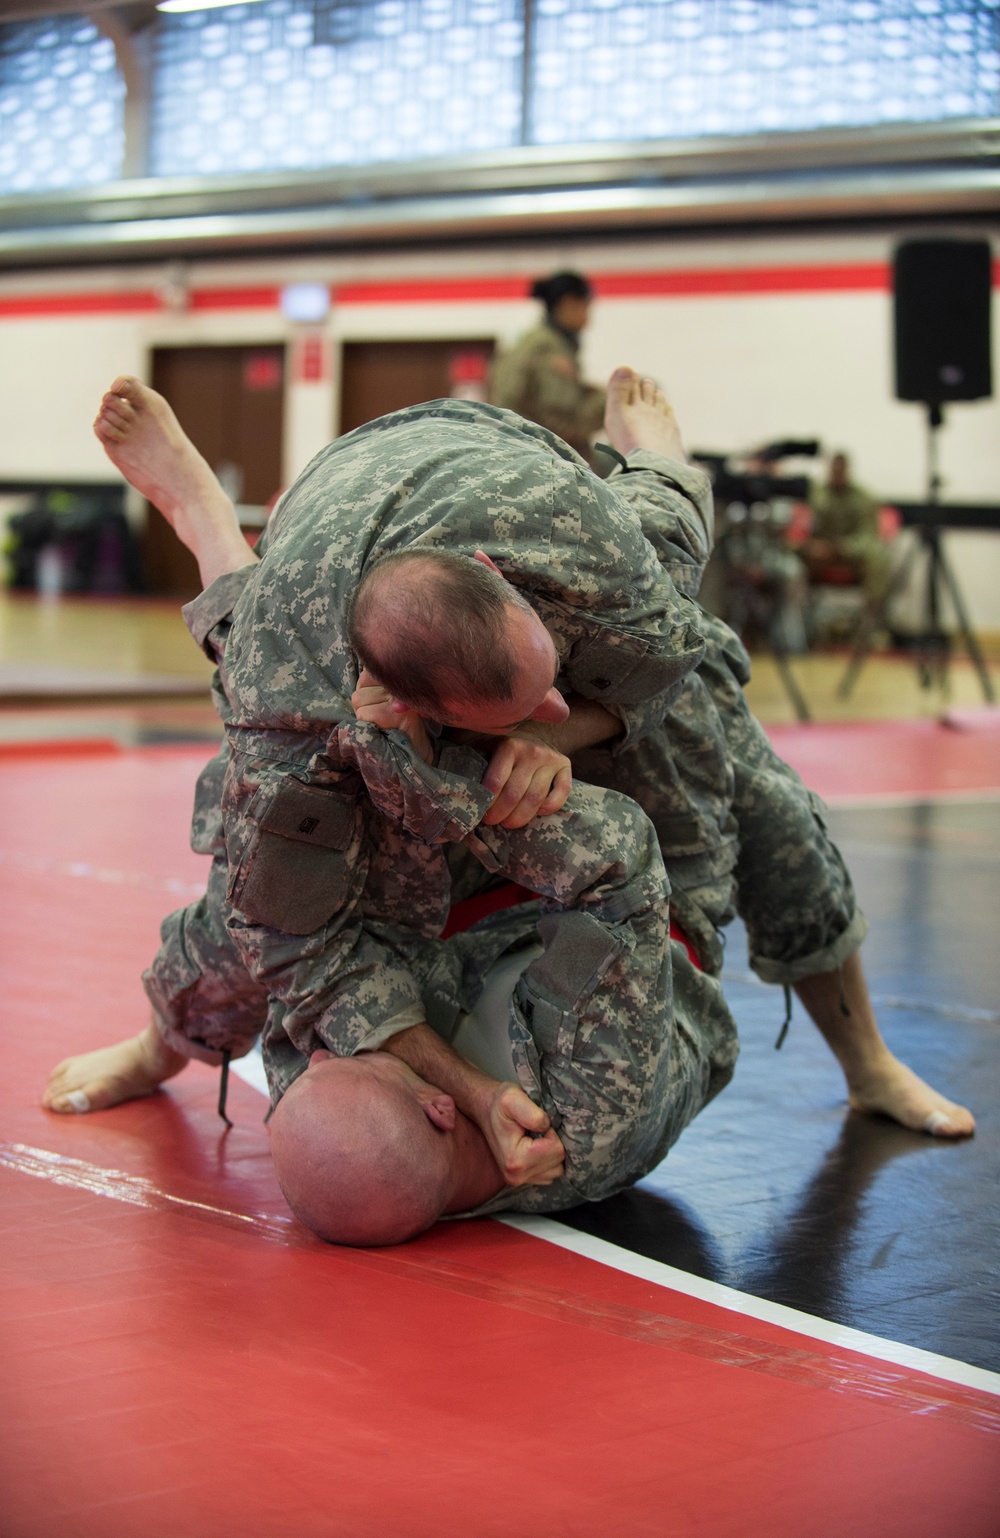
[942, 318]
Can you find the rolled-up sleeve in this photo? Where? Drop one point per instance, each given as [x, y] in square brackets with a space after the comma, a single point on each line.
[211, 610]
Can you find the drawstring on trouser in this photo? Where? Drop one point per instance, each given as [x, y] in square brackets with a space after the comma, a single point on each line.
[787, 1020]
[224, 1086]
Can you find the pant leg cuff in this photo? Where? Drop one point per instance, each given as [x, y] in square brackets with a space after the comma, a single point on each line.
[188, 1047]
[826, 960]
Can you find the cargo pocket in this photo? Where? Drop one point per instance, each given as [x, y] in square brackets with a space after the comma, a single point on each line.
[295, 873]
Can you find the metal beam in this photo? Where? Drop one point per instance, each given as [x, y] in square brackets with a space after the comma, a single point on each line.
[874, 194]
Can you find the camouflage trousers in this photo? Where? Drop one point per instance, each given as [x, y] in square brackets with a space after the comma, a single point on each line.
[598, 1036]
[738, 830]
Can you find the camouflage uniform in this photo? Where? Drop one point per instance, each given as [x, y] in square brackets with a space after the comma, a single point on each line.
[539, 377]
[849, 518]
[336, 834]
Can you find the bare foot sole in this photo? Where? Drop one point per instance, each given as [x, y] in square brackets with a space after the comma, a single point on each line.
[895, 1091]
[97, 1080]
[144, 439]
[142, 436]
[638, 416]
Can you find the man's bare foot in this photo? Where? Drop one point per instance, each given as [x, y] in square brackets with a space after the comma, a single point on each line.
[142, 436]
[638, 416]
[891, 1089]
[96, 1080]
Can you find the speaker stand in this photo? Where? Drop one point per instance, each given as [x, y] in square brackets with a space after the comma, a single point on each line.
[932, 644]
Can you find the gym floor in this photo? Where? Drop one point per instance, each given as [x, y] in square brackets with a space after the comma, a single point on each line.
[788, 1328]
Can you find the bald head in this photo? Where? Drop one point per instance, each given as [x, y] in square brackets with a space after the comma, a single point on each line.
[447, 636]
[432, 626]
[361, 1149]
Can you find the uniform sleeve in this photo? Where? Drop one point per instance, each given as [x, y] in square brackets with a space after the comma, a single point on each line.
[311, 918]
[509, 380]
[626, 631]
[298, 864]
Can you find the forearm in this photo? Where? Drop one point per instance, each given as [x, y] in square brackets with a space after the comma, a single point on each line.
[525, 1148]
[423, 1050]
[587, 725]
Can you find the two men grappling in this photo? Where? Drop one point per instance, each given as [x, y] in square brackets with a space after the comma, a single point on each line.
[330, 947]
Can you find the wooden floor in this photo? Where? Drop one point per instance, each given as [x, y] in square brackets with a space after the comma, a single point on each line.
[125, 636]
[140, 646]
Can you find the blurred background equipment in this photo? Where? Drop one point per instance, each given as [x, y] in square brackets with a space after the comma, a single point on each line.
[942, 350]
[756, 580]
[73, 540]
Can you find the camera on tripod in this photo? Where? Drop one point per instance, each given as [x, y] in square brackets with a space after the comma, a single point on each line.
[747, 479]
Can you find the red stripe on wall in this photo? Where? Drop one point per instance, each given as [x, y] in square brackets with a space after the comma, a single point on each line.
[28, 305]
[235, 298]
[867, 276]
[857, 277]
[138, 301]
[433, 291]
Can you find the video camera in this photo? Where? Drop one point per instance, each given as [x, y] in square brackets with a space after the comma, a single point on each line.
[749, 480]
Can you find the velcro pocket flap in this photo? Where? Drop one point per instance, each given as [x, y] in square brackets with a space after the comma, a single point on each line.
[297, 872]
[318, 817]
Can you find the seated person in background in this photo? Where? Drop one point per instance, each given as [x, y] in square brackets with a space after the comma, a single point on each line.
[845, 533]
[539, 377]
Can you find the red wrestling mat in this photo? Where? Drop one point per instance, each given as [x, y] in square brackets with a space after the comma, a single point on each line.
[886, 761]
[182, 1361]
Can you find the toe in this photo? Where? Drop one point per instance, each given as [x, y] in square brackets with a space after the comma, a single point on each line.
[950, 1121]
[75, 1103]
[624, 384]
[648, 387]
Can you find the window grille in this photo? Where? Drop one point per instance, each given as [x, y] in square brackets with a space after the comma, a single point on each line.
[61, 106]
[289, 84]
[636, 69]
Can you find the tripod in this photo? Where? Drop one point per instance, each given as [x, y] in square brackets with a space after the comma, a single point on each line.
[933, 645]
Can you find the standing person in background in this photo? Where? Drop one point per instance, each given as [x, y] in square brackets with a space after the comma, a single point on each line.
[539, 377]
[845, 532]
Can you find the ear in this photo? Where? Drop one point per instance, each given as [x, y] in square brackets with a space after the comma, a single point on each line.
[484, 560]
[440, 1109]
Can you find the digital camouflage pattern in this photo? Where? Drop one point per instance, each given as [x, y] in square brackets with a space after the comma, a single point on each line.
[849, 518]
[539, 378]
[341, 850]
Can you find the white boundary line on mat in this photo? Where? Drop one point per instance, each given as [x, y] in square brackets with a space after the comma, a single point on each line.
[849, 802]
[607, 1254]
[251, 1070]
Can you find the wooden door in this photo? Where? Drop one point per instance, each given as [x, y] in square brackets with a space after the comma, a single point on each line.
[379, 377]
[230, 402]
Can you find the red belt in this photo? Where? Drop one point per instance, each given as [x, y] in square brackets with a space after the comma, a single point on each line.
[468, 912]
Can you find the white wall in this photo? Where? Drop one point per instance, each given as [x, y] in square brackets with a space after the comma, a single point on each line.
[740, 368]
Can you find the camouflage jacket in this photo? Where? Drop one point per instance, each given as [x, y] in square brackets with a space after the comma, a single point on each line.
[335, 830]
[539, 377]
